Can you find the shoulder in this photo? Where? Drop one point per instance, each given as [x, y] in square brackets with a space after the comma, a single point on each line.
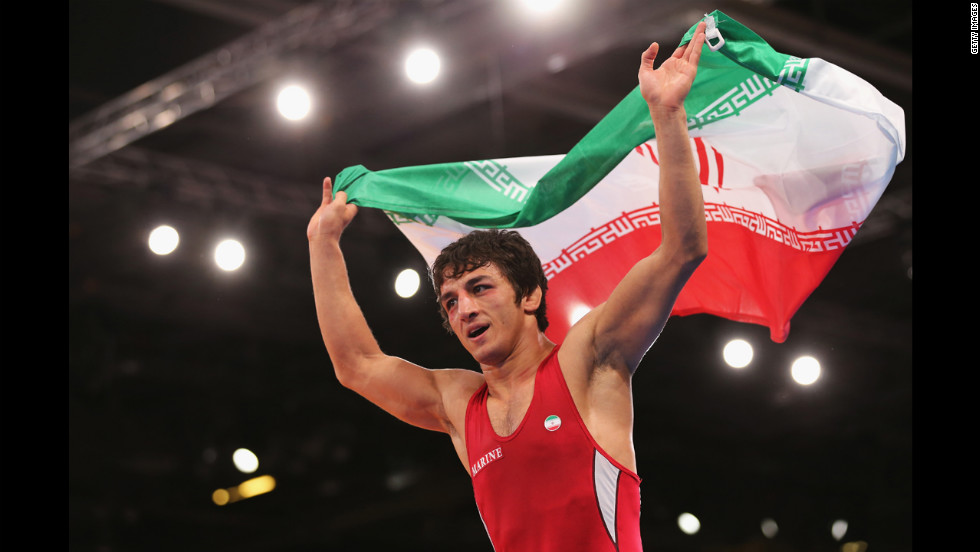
[601, 388]
[576, 354]
[577, 350]
[458, 381]
[580, 359]
[457, 387]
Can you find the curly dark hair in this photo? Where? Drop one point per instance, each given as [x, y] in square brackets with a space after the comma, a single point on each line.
[508, 251]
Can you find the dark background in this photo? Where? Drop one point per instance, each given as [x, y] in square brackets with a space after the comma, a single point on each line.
[173, 364]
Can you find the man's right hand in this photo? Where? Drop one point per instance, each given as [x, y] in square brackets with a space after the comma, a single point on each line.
[333, 216]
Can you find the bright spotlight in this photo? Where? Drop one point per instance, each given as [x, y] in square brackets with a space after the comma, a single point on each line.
[556, 63]
[256, 486]
[245, 460]
[577, 314]
[221, 497]
[163, 240]
[738, 353]
[688, 523]
[229, 255]
[541, 6]
[293, 102]
[769, 528]
[244, 490]
[805, 370]
[407, 283]
[838, 529]
[422, 65]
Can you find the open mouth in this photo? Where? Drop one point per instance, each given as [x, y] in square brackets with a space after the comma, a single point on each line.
[478, 331]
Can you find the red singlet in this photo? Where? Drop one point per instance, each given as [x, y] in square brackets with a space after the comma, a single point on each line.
[548, 486]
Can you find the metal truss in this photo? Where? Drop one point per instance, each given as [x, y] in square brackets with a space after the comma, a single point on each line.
[216, 75]
[201, 184]
[257, 56]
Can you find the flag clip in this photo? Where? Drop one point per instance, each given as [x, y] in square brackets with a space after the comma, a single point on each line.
[712, 32]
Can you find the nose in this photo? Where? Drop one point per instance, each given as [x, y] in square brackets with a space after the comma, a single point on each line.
[466, 306]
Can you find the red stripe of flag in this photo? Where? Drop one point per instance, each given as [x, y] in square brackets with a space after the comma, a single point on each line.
[702, 161]
[720, 161]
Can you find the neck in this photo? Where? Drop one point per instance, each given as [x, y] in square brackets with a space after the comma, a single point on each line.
[519, 368]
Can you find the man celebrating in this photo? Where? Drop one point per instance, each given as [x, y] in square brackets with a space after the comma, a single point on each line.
[545, 430]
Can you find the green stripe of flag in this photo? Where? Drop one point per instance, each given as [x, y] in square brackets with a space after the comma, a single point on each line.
[455, 191]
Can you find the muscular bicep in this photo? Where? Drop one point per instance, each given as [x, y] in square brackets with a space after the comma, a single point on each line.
[419, 396]
[629, 322]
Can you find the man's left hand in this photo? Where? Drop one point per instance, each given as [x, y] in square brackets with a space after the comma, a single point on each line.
[667, 86]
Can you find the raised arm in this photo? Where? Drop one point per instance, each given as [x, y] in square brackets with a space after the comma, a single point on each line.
[411, 393]
[626, 325]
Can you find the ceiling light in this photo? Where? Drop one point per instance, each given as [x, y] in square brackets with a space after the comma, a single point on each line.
[422, 65]
[805, 370]
[163, 240]
[245, 460]
[294, 102]
[738, 353]
[577, 313]
[769, 528]
[838, 529]
[407, 283]
[229, 255]
[556, 63]
[541, 6]
[688, 523]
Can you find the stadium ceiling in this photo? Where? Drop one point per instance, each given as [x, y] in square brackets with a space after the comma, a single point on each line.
[173, 364]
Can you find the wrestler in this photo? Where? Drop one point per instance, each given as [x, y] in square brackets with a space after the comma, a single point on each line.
[544, 429]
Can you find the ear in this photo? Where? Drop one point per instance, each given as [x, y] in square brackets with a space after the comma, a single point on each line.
[532, 301]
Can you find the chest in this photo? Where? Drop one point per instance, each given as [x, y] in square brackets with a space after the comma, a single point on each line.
[517, 443]
[506, 416]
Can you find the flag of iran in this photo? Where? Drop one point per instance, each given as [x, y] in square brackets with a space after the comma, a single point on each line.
[792, 155]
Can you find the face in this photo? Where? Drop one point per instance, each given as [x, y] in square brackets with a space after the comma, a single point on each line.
[483, 312]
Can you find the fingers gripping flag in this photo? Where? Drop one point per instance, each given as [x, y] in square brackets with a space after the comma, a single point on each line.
[792, 154]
